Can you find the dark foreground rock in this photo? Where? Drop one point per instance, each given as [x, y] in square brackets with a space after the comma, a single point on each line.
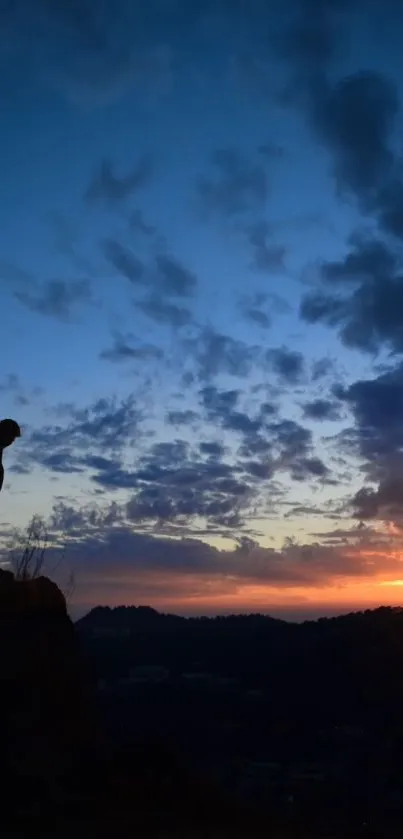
[47, 723]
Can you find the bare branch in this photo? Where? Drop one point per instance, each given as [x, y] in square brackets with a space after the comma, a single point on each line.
[30, 552]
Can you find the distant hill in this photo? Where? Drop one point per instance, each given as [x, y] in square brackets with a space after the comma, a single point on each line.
[136, 616]
[123, 621]
[264, 708]
[255, 648]
[107, 615]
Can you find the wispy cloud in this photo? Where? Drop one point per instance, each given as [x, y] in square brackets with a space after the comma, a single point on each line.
[58, 299]
[108, 188]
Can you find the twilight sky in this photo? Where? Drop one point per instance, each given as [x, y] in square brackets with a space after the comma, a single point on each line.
[201, 279]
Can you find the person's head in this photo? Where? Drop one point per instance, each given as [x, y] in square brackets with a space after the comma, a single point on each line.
[9, 431]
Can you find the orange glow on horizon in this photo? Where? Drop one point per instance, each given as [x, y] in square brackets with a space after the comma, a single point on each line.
[353, 595]
[342, 577]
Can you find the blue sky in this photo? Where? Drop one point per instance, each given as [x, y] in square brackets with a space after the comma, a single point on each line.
[200, 277]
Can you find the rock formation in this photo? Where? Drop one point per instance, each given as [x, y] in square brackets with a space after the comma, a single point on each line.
[45, 725]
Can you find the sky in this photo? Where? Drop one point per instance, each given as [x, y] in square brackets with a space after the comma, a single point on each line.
[201, 280]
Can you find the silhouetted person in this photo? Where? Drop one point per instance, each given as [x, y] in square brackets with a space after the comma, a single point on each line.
[9, 431]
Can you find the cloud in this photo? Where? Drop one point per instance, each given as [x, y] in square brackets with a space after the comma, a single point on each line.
[386, 502]
[252, 309]
[322, 368]
[268, 257]
[123, 260]
[287, 364]
[321, 409]
[123, 350]
[107, 188]
[104, 428]
[137, 223]
[67, 519]
[118, 564]
[365, 301]
[310, 44]
[57, 298]
[222, 407]
[281, 446]
[178, 418]
[239, 185]
[260, 306]
[11, 383]
[172, 485]
[368, 260]
[218, 401]
[376, 437]
[212, 449]
[17, 392]
[389, 206]
[356, 123]
[164, 311]
[172, 278]
[309, 467]
[165, 277]
[92, 53]
[214, 353]
[377, 406]
[354, 120]
[291, 439]
[177, 486]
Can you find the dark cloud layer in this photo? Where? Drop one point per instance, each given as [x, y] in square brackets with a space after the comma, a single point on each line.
[104, 549]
